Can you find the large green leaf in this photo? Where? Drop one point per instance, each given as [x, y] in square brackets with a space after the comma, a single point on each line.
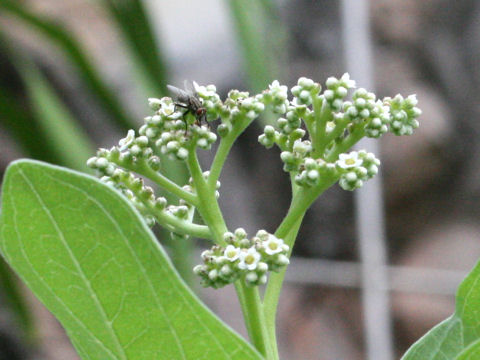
[472, 352]
[452, 337]
[89, 257]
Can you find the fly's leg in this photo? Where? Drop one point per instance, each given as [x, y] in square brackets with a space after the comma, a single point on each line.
[186, 112]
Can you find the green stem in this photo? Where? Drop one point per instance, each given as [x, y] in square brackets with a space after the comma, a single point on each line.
[253, 313]
[274, 287]
[142, 168]
[300, 203]
[173, 223]
[287, 231]
[207, 205]
[337, 130]
[322, 114]
[249, 297]
[220, 157]
[354, 137]
[223, 150]
[310, 125]
[180, 226]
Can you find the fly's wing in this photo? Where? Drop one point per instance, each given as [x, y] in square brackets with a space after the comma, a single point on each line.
[179, 94]
[189, 88]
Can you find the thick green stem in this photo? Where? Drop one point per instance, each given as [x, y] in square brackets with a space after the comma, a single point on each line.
[220, 157]
[208, 204]
[253, 313]
[274, 287]
[287, 231]
[224, 149]
[249, 297]
[300, 203]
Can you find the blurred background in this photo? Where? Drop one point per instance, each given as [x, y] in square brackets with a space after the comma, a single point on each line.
[75, 76]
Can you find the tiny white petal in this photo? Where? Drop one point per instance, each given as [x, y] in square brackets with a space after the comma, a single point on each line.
[273, 245]
[347, 161]
[127, 141]
[249, 259]
[231, 253]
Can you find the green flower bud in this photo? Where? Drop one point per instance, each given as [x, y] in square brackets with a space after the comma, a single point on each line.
[223, 130]
[160, 203]
[240, 233]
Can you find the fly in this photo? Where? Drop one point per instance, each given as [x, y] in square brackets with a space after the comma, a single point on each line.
[188, 99]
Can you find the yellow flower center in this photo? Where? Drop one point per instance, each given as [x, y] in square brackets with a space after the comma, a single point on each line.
[231, 253]
[350, 161]
[249, 259]
[273, 246]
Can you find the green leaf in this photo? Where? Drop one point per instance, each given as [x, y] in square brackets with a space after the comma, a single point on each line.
[451, 337]
[89, 257]
[472, 352]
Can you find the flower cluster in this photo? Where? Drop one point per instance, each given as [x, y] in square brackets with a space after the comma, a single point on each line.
[367, 111]
[304, 91]
[312, 170]
[404, 114]
[113, 168]
[173, 132]
[292, 159]
[337, 90]
[277, 95]
[239, 106]
[318, 128]
[210, 98]
[356, 168]
[314, 132]
[242, 258]
[134, 188]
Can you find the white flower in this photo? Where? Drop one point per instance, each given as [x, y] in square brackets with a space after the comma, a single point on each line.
[347, 161]
[231, 253]
[154, 103]
[273, 245]
[168, 106]
[127, 141]
[205, 91]
[330, 126]
[249, 259]
[278, 91]
[347, 81]
[302, 147]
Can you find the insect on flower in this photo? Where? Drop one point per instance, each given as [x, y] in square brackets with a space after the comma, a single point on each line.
[188, 99]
